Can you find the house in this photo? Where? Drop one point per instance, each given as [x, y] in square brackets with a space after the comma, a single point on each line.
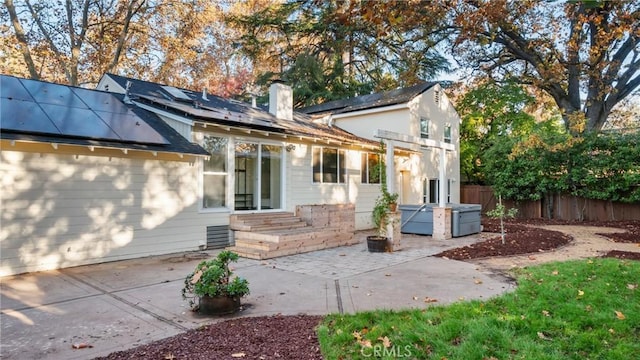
[419, 117]
[270, 183]
[88, 178]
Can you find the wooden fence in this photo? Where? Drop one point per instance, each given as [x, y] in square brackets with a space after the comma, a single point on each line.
[562, 207]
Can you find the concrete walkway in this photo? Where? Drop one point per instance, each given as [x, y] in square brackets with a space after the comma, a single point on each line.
[119, 305]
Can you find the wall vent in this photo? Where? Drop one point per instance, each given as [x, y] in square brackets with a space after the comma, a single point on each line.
[217, 237]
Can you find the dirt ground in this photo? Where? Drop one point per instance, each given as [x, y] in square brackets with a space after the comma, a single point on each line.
[526, 243]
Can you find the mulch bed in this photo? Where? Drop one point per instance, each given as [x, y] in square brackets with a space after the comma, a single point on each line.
[260, 338]
[519, 239]
[623, 255]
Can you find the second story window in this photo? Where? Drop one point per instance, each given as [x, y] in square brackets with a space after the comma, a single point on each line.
[424, 128]
[370, 168]
[447, 133]
[329, 165]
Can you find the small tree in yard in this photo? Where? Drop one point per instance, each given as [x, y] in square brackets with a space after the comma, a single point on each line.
[501, 212]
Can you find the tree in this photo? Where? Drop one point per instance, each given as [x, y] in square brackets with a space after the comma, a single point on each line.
[74, 37]
[490, 111]
[181, 43]
[332, 49]
[584, 54]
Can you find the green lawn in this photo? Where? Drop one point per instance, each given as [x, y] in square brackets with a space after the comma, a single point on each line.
[572, 310]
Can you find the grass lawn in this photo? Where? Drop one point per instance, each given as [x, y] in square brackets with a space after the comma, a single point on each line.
[587, 309]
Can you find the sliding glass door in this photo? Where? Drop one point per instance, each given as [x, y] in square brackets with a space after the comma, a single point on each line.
[258, 183]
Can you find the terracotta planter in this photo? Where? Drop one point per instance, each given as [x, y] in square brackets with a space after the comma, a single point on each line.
[218, 305]
[376, 243]
[393, 207]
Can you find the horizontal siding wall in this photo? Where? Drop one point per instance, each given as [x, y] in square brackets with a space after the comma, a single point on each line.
[303, 191]
[59, 211]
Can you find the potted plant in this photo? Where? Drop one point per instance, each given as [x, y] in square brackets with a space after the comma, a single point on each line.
[212, 288]
[385, 203]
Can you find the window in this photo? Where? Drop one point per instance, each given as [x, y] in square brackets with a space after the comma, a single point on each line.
[370, 168]
[214, 173]
[434, 191]
[447, 133]
[436, 97]
[424, 128]
[329, 165]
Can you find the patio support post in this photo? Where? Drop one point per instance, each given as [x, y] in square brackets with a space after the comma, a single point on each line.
[442, 213]
[390, 167]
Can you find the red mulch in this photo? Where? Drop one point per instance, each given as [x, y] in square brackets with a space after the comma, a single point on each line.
[266, 337]
[253, 337]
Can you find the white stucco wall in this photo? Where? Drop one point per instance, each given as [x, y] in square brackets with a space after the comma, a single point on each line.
[60, 211]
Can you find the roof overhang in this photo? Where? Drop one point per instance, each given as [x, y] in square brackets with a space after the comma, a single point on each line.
[65, 148]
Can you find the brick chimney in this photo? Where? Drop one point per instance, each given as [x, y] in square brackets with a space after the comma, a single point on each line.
[281, 100]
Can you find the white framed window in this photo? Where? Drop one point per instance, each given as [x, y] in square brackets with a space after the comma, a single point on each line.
[329, 165]
[447, 133]
[434, 191]
[214, 173]
[424, 128]
[370, 168]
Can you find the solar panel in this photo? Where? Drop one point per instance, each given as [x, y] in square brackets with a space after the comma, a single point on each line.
[100, 101]
[48, 93]
[177, 93]
[25, 116]
[11, 88]
[131, 128]
[45, 108]
[78, 122]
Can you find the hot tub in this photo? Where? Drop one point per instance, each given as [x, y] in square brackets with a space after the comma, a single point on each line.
[418, 219]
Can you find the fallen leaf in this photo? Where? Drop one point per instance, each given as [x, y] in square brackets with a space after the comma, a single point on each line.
[387, 274]
[446, 258]
[238, 355]
[477, 281]
[342, 254]
[169, 357]
[196, 277]
[554, 272]
[415, 298]
[365, 343]
[588, 307]
[357, 335]
[531, 257]
[81, 346]
[612, 331]
[364, 331]
[430, 300]
[542, 336]
[385, 342]
[632, 286]
[620, 315]
[580, 293]
[461, 298]
[545, 313]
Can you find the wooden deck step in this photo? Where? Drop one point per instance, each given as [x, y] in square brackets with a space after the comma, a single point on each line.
[270, 235]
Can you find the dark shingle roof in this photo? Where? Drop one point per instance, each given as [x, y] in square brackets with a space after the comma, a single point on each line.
[218, 110]
[364, 102]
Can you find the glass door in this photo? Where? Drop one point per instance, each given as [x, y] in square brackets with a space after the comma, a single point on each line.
[258, 183]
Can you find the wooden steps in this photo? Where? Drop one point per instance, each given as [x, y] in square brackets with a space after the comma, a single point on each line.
[270, 235]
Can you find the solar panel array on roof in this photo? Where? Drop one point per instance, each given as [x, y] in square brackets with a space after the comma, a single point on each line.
[44, 108]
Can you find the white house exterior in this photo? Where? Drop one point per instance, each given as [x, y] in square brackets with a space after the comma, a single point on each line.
[419, 112]
[72, 199]
[68, 201]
